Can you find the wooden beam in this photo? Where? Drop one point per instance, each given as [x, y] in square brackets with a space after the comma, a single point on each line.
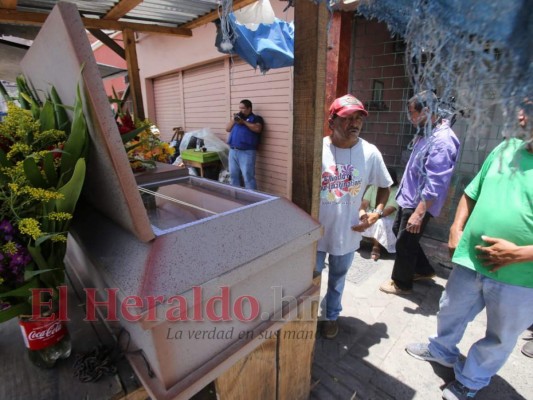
[133, 72]
[8, 4]
[214, 15]
[338, 60]
[310, 44]
[109, 42]
[37, 19]
[122, 8]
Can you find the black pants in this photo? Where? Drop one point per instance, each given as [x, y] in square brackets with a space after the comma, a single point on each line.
[410, 257]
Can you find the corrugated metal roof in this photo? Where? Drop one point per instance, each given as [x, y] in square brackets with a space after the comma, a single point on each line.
[160, 12]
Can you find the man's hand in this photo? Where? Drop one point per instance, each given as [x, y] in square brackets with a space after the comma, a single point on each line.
[372, 218]
[453, 239]
[499, 254]
[414, 223]
[363, 222]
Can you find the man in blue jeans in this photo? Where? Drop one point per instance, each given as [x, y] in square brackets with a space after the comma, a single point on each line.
[349, 165]
[492, 242]
[245, 129]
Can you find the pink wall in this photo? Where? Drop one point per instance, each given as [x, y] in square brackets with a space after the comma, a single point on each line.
[105, 55]
[212, 96]
[162, 54]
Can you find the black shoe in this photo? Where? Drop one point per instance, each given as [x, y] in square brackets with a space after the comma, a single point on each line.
[330, 329]
[458, 391]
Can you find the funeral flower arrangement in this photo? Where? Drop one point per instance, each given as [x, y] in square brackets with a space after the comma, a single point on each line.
[141, 139]
[42, 170]
[144, 146]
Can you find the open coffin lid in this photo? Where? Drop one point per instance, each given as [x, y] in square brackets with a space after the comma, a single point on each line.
[61, 56]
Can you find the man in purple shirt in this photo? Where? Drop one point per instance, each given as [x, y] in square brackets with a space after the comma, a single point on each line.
[422, 191]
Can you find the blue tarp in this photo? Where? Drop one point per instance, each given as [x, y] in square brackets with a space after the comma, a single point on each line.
[270, 46]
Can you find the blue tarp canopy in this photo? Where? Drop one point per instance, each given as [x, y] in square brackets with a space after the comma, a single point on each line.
[270, 46]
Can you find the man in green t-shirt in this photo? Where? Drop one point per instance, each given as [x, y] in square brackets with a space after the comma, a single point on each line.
[492, 242]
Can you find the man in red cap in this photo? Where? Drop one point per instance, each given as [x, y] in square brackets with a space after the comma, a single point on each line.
[349, 165]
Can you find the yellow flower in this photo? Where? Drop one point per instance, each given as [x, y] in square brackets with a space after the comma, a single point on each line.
[59, 238]
[30, 227]
[59, 216]
[18, 123]
[19, 148]
[40, 194]
[14, 187]
[49, 137]
[9, 248]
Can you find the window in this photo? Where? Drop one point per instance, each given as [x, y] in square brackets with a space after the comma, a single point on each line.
[377, 103]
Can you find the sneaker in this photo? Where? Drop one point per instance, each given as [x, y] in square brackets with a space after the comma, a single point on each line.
[420, 277]
[330, 329]
[527, 349]
[420, 351]
[391, 288]
[457, 391]
[529, 336]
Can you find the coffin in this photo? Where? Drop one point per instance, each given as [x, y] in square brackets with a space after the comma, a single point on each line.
[197, 271]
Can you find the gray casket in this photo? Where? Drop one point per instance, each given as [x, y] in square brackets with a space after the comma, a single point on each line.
[196, 270]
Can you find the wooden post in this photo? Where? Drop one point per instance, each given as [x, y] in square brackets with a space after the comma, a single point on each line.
[309, 95]
[133, 73]
[338, 60]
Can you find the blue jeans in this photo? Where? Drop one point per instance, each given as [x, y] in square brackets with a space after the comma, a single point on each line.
[242, 162]
[338, 268]
[508, 315]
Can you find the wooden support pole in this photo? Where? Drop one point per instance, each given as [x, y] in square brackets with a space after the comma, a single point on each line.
[338, 60]
[133, 73]
[309, 98]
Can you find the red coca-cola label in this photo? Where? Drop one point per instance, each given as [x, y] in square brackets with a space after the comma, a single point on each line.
[41, 334]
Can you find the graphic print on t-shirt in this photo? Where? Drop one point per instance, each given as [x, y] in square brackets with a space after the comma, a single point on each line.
[339, 180]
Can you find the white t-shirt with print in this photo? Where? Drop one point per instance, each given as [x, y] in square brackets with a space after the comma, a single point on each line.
[345, 175]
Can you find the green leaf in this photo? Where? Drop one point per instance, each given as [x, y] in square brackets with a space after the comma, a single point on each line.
[37, 256]
[4, 162]
[21, 85]
[47, 117]
[5, 95]
[23, 291]
[133, 134]
[72, 189]
[33, 173]
[50, 169]
[32, 105]
[63, 122]
[51, 278]
[26, 89]
[30, 274]
[44, 238]
[77, 143]
[14, 311]
[130, 148]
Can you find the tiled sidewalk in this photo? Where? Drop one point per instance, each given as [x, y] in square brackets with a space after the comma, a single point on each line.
[367, 360]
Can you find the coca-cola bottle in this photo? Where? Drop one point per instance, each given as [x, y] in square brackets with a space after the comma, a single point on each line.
[46, 340]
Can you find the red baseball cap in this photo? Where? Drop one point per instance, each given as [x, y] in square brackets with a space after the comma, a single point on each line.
[346, 105]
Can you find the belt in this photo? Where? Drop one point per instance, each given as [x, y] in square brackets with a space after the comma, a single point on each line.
[236, 148]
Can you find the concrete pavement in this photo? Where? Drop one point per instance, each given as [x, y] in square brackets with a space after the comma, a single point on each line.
[367, 360]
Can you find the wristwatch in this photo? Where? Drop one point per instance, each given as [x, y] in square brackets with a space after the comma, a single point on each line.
[378, 212]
